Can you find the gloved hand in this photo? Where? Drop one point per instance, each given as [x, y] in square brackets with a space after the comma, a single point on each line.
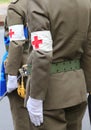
[11, 83]
[35, 109]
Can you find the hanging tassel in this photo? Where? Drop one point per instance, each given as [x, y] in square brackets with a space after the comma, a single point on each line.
[21, 90]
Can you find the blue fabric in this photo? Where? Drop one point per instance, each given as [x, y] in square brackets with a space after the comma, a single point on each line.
[2, 75]
[26, 32]
[6, 40]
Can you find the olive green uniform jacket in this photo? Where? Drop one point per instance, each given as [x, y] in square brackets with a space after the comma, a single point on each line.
[19, 45]
[63, 27]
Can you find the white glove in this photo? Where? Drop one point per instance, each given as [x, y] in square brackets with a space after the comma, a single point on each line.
[35, 109]
[11, 83]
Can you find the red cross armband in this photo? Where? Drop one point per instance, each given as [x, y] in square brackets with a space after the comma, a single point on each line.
[16, 32]
[42, 40]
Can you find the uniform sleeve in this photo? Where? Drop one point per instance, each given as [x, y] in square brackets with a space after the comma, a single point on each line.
[86, 59]
[41, 41]
[17, 40]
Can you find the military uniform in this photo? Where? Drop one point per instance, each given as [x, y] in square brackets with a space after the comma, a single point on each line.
[61, 57]
[17, 56]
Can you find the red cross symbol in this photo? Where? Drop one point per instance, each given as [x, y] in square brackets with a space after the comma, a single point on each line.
[36, 42]
[11, 33]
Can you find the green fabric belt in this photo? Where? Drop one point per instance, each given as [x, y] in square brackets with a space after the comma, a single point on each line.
[64, 66]
[29, 69]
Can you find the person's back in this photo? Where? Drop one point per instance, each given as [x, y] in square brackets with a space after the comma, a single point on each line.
[69, 27]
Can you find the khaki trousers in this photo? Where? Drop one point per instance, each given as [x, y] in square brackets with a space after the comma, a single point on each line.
[63, 119]
[19, 112]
